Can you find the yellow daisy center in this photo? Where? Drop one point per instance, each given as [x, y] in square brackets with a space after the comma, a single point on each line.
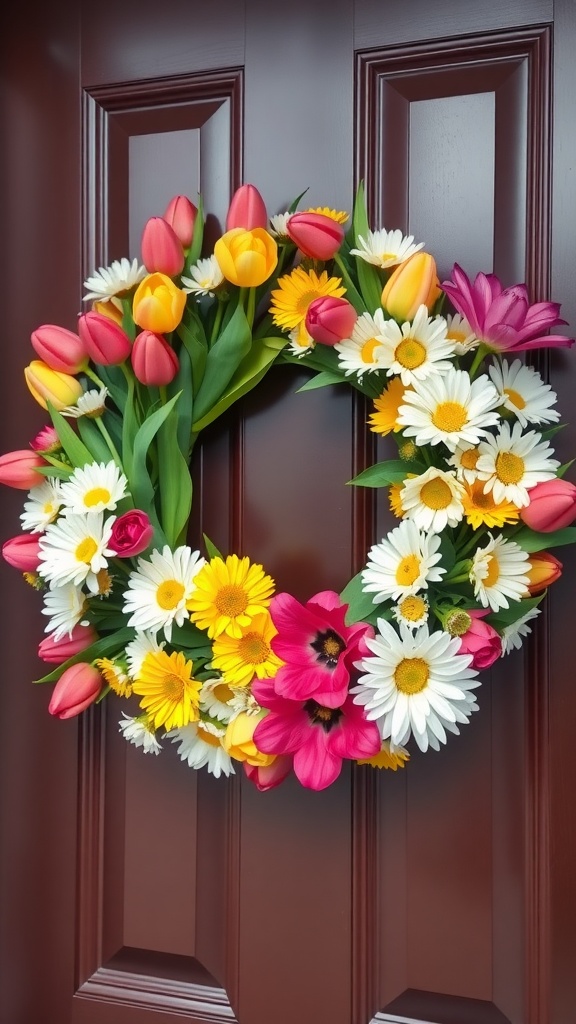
[172, 686]
[408, 570]
[305, 300]
[368, 349]
[411, 675]
[449, 416]
[413, 608]
[436, 494]
[253, 649]
[515, 398]
[169, 594]
[493, 572]
[104, 582]
[48, 508]
[86, 550]
[509, 467]
[410, 353]
[208, 737]
[96, 495]
[231, 600]
[457, 336]
[469, 458]
[222, 692]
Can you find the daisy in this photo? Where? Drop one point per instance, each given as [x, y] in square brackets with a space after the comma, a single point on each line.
[95, 487]
[120, 277]
[412, 611]
[42, 506]
[388, 757]
[413, 684]
[140, 732]
[228, 593]
[461, 334]
[295, 292]
[240, 658]
[450, 408]
[360, 353]
[279, 226]
[480, 509]
[402, 564]
[243, 702]
[386, 248]
[206, 278]
[66, 605]
[384, 419]
[160, 587]
[300, 341]
[91, 404]
[418, 349]
[138, 648]
[433, 499]
[524, 393]
[200, 744]
[169, 694]
[499, 571]
[394, 492]
[511, 463]
[512, 635]
[115, 676]
[75, 549]
[215, 697]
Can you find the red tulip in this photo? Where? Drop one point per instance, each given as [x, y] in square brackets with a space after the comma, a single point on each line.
[552, 506]
[153, 361]
[330, 319]
[22, 551]
[131, 533]
[247, 209]
[181, 216]
[316, 235]
[58, 651]
[59, 349]
[162, 250]
[18, 469]
[268, 776]
[77, 688]
[105, 340]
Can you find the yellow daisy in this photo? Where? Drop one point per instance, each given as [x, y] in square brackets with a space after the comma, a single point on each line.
[115, 676]
[481, 509]
[387, 405]
[169, 694]
[240, 658]
[394, 495]
[340, 216]
[389, 757]
[228, 595]
[295, 292]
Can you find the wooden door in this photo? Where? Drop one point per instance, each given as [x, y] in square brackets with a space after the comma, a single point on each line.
[134, 890]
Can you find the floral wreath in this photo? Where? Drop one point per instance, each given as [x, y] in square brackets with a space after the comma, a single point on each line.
[216, 661]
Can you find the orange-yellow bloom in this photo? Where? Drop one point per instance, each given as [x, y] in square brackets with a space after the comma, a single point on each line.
[158, 304]
[238, 741]
[246, 258]
[46, 385]
[414, 283]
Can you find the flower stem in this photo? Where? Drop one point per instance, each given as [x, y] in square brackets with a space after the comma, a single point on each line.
[109, 442]
[93, 377]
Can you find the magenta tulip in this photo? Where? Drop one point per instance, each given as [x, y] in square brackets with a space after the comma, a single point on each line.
[105, 340]
[22, 551]
[18, 469]
[153, 361]
[46, 441]
[58, 651]
[77, 688]
[330, 320]
[59, 348]
[268, 776]
[181, 216]
[131, 533]
[316, 235]
[162, 250]
[247, 209]
[481, 641]
[552, 506]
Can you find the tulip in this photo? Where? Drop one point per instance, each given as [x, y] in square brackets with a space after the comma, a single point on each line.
[46, 442]
[246, 258]
[238, 740]
[112, 309]
[481, 641]
[59, 348]
[543, 570]
[330, 320]
[552, 506]
[153, 361]
[18, 469]
[46, 385]
[412, 284]
[316, 235]
[58, 651]
[158, 304]
[181, 216]
[131, 534]
[247, 209]
[268, 776]
[105, 340]
[77, 688]
[162, 250]
[23, 552]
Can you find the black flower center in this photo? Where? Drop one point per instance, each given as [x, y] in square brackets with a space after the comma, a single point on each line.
[328, 647]
[319, 715]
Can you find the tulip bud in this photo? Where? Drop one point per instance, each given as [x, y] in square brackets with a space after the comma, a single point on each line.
[268, 776]
[60, 349]
[246, 258]
[23, 552]
[543, 570]
[112, 308]
[77, 688]
[480, 640]
[181, 216]
[18, 469]
[330, 320]
[46, 385]
[162, 250]
[131, 533]
[158, 304]
[247, 209]
[238, 742]
[105, 341]
[153, 361]
[552, 506]
[316, 235]
[46, 442]
[58, 651]
[412, 284]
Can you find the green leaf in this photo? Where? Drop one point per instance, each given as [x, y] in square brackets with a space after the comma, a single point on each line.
[360, 604]
[322, 380]
[193, 338]
[139, 481]
[352, 293]
[75, 449]
[252, 369]
[223, 360]
[516, 610]
[115, 642]
[211, 549]
[564, 469]
[197, 237]
[530, 540]
[384, 473]
[93, 439]
[175, 483]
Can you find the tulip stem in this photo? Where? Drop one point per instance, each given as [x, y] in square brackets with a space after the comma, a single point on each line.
[109, 442]
[481, 352]
[93, 376]
[217, 322]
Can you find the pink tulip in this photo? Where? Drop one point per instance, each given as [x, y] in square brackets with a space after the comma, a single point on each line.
[18, 469]
[481, 641]
[316, 235]
[131, 533]
[105, 340]
[268, 776]
[60, 349]
[544, 570]
[153, 361]
[46, 441]
[552, 506]
[329, 319]
[22, 551]
[162, 250]
[503, 318]
[58, 651]
[181, 216]
[77, 688]
[247, 209]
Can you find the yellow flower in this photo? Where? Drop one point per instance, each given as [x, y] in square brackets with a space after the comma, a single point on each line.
[387, 405]
[169, 694]
[112, 308]
[240, 658]
[414, 283]
[228, 594]
[394, 496]
[295, 292]
[340, 216]
[246, 258]
[158, 304]
[115, 677]
[388, 758]
[480, 508]
[237, 740]
[47, 385]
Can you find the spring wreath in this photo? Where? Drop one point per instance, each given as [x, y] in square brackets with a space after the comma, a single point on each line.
[196, 644]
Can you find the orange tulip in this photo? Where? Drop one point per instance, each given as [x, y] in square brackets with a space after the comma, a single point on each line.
[158, 304]
[246, 258]
[544, 570]
[414, 283]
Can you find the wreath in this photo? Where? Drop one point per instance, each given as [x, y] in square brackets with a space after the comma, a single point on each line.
[197, 643]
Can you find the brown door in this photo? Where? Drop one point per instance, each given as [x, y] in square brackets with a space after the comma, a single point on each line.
[134, 890]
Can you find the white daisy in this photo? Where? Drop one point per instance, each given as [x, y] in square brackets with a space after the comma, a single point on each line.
[386, 248]
[414, 683]
[243, 702]
[512, 462]
[121, 276]
[403, 563]
[75, 549]
[91, 404]
[412, 611]
[206, 278]
[449, 408]
[433, 499]
[499, 571]
[361, 352]
[138, 648]
[214, 697]
[279, 225]
[139, 731]
[300, 341]
[95, 487]
[199, 743]
[160, 587]
[513, 635]
[417, 350]
[42, 506]
[524, 393]
[461, 334]
[66, 606]
[464, 459]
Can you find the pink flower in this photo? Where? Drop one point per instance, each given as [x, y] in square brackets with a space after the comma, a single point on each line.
[181, 215]
[23, 552]
[317, 646]
[552, 506]
[105, 340]
[268, 776]
[18, 469]
[77, 688]
[247, 209]
[503, 318]
[162, 250]
[59, 348]
[131, 533]
[320, 738]
[316, 235]
[153, 361]
[46, 440]
[330, 320]
[481, 641]
[58, 651]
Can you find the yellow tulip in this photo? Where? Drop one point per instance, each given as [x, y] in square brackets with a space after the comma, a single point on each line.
[412, 284]
[238, 740]
[158, 304]
[112, 308]
[246, 258]
[48, 385]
